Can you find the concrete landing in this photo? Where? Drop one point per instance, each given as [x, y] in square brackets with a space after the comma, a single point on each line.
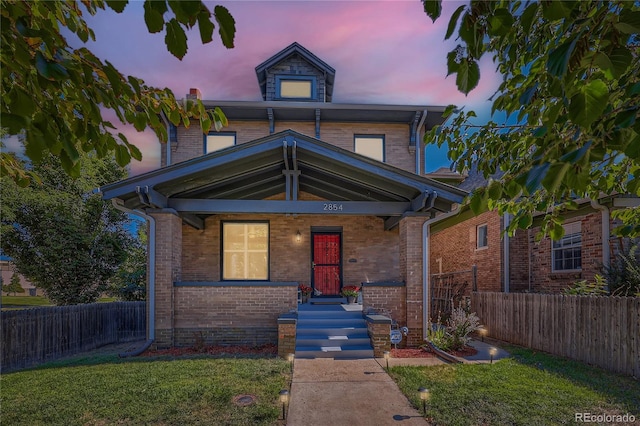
[347, 392]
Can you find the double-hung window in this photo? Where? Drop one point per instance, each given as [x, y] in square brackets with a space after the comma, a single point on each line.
[245, 250]
[216, 141]
[482, 240]
[371, 146]
[566, 254]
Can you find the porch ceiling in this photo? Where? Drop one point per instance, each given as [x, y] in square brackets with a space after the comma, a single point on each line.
[239, 178]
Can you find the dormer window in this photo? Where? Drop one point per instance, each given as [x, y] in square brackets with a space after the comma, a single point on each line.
[295, 87]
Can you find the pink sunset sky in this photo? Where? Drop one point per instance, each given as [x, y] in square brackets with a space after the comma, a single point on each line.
[386, 52]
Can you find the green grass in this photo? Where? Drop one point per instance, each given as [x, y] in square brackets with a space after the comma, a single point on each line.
[105, 390]
[24, 302]
[527, 389]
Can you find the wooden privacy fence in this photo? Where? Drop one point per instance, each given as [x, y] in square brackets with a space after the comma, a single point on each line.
[602, 331]
[33, 336]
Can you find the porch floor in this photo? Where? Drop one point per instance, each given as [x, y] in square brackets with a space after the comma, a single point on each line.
[327, 304]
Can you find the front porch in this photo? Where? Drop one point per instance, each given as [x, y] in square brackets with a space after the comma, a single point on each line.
[233, 233]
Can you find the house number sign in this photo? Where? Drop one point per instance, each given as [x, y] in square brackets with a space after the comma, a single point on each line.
[396, 336]
[332, 207]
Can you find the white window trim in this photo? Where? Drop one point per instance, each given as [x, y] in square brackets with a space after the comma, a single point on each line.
[570, 229]
[478, 246]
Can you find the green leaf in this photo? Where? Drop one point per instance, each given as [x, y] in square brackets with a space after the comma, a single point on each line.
[453, 21]
[576, 155]
[632, 149]
[468, 75]
[205, 26]
[525, 221]
[452, 65]
[117, 5]
[557, 231]
[627, 118]
[527, 95]
[14, 123]
[226, 26]
[176, 39]
[433, 8]
[555, 10]
[478, 201]
[629, 22]
[500, 22]
[558, 60]
[20, 103]
[587, 105]
[48, 69]
[122, 155]
[535, 176]
[527, 17]
[154, 15]
[621, 60]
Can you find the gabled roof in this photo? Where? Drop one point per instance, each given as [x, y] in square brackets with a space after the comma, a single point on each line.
[238, 179]
[293, 48]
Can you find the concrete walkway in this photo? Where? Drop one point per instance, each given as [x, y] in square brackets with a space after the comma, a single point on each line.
[325, 391]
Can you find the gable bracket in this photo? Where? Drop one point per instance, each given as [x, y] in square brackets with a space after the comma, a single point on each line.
[192, 220]
[420, 202]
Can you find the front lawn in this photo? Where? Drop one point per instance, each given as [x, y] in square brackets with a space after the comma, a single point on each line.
[527, 389]
[148, 391]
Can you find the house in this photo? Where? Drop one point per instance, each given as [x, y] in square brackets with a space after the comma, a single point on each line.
[296, 190]
[8, 270]
[476, 248]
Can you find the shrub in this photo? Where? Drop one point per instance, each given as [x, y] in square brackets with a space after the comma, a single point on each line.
[585, 288]
[460, 324]
[623, 274]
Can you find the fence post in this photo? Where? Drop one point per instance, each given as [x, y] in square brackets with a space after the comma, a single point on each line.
[474, 277]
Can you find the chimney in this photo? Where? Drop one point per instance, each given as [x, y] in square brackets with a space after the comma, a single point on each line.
[194, 94]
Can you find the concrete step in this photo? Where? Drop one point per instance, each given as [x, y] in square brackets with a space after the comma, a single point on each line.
[331, 322]
[329, 314]
[336, 352]
[330, 331]
[337, 340]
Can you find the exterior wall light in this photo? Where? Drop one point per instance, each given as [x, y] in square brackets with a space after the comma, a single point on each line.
[298, 236]
[284, 398]
[424, 397]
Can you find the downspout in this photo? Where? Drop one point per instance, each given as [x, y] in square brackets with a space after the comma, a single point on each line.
[418, 162]
[606, 231]
[166, 122]
[425, 264]
[152, 266]
[505, 253]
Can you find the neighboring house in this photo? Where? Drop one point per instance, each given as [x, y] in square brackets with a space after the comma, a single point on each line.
[296, 189]
[462, 241]
[7, 269]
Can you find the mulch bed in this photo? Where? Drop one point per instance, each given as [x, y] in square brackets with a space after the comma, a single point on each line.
[423, 353]
[264, 350]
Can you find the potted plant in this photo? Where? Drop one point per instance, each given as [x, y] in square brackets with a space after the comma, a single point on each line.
[351, 293]
[305, 291]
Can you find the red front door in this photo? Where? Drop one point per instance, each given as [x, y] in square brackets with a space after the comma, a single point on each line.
[326, 259]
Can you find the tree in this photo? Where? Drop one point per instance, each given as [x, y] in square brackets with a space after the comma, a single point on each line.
[130, 281]
[14, 285]
[60, 235]
[570, 92]
[53, 94]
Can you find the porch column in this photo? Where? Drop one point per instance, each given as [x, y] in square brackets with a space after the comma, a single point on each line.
[168, 268]
[410, 230]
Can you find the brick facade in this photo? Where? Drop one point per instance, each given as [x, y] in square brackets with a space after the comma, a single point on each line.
[534, 272]
[396, 138]
[454, 249]
[388, 299]
[411, 254]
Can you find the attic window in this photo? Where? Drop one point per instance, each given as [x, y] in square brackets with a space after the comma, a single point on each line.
[295, 87]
